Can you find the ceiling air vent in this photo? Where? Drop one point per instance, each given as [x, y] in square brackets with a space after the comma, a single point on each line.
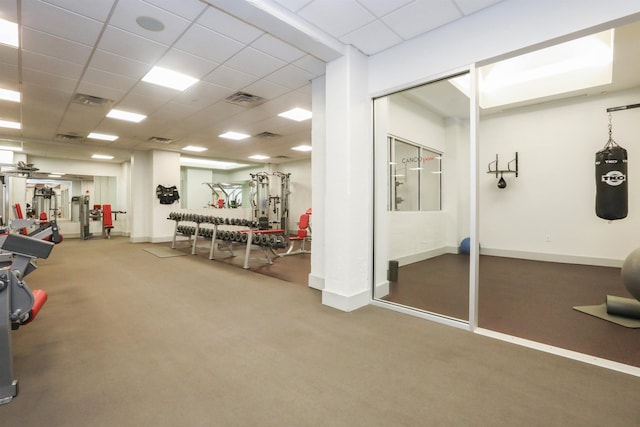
[267, 135]
[160, 140]
[90, 100]
[281, 157]
[69, 137]
[245, 99]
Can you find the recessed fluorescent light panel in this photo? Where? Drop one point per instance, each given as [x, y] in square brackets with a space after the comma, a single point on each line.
[10, 124]
[53, 175]
[124, 115]
[101, 157]
[297, 114]
[194, 148]
[10, 148]
[8, 33]
[259, 157]
[237, 136]
[209, 164]
[102, 136]
[9, 95]
[302, 148]
[168, 78]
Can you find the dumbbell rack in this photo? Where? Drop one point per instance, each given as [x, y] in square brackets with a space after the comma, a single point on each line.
[227, 236]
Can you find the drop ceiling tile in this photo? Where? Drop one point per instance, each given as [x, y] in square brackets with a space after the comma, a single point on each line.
[126, 13]
[382, 7]
[8, 10]
[208, 44]
[188, 9]
[227, 25]
[111, 80]
[277, 48]
[130, 45]
[213, 114]
[98, 10]
[47, 80]
[311, 64]
[60, 22]
[100, 91]
[76, 121]
[266, 89]
[9, 77]
[470, 6]
[202, 95]
[9, 111]
[8, 55]
[113, 63]
[372, 38]
[186, 63]
[145, 98]
[337, 17]
[43, 43]
[51, 65]
[48, 97]
[290, 76]
[173, 112]
[255, 62]
[228, 77]
[418, 17]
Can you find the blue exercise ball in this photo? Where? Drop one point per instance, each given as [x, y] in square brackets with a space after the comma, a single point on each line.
[465, 246]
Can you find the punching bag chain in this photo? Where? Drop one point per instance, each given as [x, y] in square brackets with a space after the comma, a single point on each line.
[611, 142]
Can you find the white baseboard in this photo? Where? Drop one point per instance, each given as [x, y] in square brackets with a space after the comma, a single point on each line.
[549, 257]
[346, 302]
[421, 256]
[316, 282]
[381, 289]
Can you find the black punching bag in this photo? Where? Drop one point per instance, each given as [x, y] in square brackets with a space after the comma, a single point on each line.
[611, 182]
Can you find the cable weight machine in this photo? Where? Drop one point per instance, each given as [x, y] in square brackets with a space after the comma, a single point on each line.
[270, 200]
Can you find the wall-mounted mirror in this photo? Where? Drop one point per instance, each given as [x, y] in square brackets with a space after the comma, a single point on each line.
[422, 162]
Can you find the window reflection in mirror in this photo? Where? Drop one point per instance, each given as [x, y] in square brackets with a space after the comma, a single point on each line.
[415, 177]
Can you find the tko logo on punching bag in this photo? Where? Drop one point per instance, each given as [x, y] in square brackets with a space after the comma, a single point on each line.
[614, 178]
[611, 182]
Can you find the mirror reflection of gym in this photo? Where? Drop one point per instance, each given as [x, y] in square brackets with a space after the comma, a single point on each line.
[422, 144]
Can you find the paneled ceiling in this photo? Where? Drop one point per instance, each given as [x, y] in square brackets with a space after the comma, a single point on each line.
[270, 49]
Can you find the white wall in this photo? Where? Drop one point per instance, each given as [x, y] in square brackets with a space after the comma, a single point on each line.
[550, 207]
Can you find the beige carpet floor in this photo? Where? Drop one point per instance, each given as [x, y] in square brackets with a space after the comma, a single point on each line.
[130, 339]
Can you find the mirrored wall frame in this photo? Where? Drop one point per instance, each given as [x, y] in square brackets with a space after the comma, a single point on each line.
[410, 244]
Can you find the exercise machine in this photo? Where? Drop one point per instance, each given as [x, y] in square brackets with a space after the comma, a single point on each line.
[270, 200]
[303, 236]
[18, 304]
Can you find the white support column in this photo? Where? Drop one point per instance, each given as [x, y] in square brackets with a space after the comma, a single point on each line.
[140, 214]
[318, 173]
[348, 184]
[165, 171]
[148, 217]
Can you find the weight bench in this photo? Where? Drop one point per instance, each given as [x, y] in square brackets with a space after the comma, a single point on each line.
[18, 304]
